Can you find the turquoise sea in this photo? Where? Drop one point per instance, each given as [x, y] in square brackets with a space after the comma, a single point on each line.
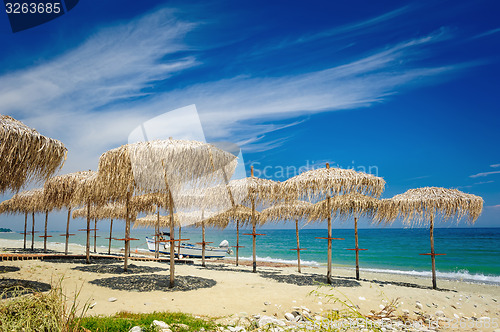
[472, 254]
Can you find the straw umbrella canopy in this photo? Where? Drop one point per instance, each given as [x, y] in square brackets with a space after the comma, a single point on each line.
[345, 206]
[326, 182]
[239, 214]
[26, 155]
[29, 201]
[59, 191]
[419, 207]
[250, 191]
[285, 211]
[164, 166]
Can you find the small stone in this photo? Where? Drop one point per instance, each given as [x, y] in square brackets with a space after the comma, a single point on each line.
[320, 303]
[160, 324]
[439, 313]
[289, 316]
[268, 320]
[92, 305]
[362, 298]
[267, 303]
[419, 305]
[381, 306]
[456, 316]
[112, 299]
[135, 329]
[305, 308]
[406, 312]
[295, 313]
[318, 317]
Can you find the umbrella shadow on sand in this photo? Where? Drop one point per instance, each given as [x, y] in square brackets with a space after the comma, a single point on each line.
[154, 282]
[17, 287]
[222, 267]
[118, 269]
[7, 269]
[402, 284]
[309, 280]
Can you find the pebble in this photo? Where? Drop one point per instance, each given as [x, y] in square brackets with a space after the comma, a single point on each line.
[267, 303]
[92, 305]
[268, 320]
[289, 316]
[135, 329]
[112, 299]
[406, 312]
[160, 324]
[381, 306]
[419, 305]
[456, 316]
[362, 298]
[439, 313]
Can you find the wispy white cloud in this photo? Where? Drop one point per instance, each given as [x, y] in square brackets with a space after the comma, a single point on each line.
[483, 182]
[494, 206]
[78, 96]
[487, 33]
[495, 165]
[483, 174]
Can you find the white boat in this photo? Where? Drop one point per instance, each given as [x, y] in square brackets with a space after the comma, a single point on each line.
[191, 250]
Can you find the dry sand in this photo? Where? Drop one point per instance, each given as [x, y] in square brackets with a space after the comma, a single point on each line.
[239, 291]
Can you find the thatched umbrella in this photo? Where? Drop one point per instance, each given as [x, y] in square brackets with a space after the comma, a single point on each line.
[168, 167]
[239, 214]
[285, 211]
[251, 191]
[59, 191]
[326, 182]
[30, 201]
[345, 206]
[10, 206]
[26, 155]
[420, 207]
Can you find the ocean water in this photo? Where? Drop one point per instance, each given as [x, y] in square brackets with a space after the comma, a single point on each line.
[472, 254]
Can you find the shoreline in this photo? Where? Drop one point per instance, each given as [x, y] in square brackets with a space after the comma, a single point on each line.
[76, 248]
[222, 289]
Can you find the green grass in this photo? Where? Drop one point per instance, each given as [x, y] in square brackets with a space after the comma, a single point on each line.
[123, 321]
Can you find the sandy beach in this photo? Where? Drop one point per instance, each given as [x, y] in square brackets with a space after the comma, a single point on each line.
[230, 291]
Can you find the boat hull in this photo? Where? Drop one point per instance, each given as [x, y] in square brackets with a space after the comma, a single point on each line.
[190, 250]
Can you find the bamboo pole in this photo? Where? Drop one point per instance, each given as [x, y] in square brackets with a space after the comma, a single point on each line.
[110, 236]
[237, 240]
[298, 243]
[25, 227]
[203, 241]
[127, 232]
[33, 232]
[172, 238]
[45, 233]
[67, 233]
[356, 246]
[87, 250]
[157, 235]
[254, 242]
[95, 235]
[433, 257]
[329, 268]
[179, 245]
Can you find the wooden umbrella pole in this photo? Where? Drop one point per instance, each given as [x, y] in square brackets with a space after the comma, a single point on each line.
[433, 257]
[127, 232]
[298, 243]
[110, 236]
[87, 250]
[356, 246]
[329, 271]
[157, 231]
[179, 245]
[172, 237]
[25, 227]
[33, 231]
[237, 240]
[203, 243]
[95, 235]
[45, 233]
[254, 255]
[67, 233]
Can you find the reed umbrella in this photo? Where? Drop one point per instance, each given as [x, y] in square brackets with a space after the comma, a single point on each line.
[289, 210]
[326, 182]
[26, 155]
[422, 205]
[240, 214]
[344, 206]
[59, 190]
[164, 166]
[251, 191]
[29, 201]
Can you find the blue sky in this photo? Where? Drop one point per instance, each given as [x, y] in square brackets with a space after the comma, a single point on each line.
[408, 90]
